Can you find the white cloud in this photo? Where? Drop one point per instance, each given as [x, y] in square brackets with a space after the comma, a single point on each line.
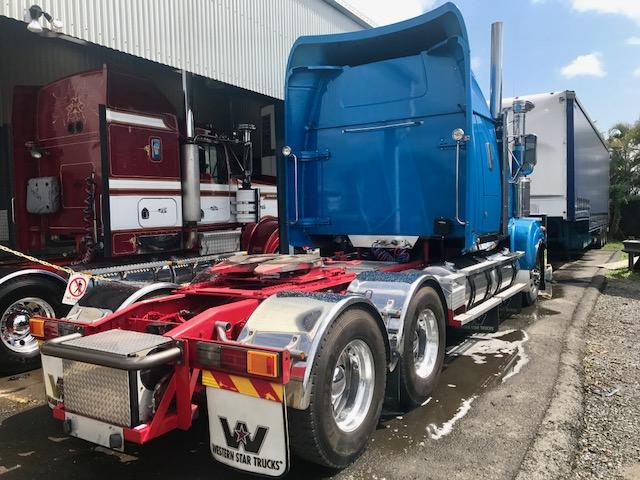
[633, 41]
[589, 65]
[475, 63]
[384, 12]
[628, 8]
[636, 72]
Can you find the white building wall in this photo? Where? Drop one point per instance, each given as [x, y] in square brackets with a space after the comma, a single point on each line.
[240, 42]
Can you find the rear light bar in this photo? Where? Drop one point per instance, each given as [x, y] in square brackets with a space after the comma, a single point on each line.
[244, 360]
[46, 328]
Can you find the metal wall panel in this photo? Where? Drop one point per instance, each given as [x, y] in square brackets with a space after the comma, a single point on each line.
[240, 42]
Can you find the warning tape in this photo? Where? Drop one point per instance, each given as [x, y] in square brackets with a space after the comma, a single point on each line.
[60, 268]
[253, 387]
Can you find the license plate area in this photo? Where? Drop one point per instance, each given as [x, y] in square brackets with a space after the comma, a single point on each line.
[247, 423]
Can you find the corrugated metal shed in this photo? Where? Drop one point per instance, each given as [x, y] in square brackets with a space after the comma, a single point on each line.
[240, 42]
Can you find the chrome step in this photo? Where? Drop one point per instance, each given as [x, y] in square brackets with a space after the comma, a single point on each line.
[484, 307]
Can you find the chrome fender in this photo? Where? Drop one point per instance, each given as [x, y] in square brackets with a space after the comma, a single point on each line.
[298, 321]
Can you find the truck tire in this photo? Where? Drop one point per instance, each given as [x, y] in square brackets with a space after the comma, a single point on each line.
[34, 295]
[347, 392]
[418, 369]
[531, 295]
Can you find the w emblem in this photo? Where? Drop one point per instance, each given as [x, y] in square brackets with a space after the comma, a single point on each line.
[241, 435]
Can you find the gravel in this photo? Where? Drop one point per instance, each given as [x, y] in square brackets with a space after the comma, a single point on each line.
[609, 445]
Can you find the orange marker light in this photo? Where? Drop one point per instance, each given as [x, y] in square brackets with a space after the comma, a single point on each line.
[262, 363]
[36, 327]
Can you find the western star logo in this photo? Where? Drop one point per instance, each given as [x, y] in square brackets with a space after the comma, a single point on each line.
[240, 435]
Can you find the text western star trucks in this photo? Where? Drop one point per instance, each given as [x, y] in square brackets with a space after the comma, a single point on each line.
[570, 185]
[98, 161]
[406, 182]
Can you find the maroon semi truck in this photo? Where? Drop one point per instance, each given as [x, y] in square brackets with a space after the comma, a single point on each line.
[106, 181]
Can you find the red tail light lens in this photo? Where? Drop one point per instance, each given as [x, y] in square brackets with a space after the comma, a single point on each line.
[50, 329]
[234, 359]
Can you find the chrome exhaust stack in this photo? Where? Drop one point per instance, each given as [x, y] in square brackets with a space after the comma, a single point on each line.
[495, 107]
[190, 169]
[495, 102]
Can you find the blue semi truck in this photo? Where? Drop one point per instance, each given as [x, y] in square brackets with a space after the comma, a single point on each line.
[412, 190]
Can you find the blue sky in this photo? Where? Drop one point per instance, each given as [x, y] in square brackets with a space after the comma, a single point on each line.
[590, 46]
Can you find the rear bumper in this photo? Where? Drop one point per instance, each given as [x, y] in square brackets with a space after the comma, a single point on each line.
[139, 435]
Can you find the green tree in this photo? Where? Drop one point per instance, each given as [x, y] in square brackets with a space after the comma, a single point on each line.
[624, 170]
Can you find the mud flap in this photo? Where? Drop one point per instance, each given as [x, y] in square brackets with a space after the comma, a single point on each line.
[247, 423]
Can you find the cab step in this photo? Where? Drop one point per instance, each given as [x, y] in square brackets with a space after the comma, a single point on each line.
[470, 315]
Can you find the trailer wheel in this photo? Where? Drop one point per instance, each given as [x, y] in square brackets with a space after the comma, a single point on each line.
[418, 370]
[19, 301]
[347, 391]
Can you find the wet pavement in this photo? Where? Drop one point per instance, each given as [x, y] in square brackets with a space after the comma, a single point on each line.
[453, 435]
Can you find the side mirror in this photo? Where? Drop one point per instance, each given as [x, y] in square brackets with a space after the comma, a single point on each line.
[530, 153]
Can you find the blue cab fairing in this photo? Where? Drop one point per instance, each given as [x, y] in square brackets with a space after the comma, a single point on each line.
[370, 116]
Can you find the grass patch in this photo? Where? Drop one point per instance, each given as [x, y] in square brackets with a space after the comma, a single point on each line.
[624, 274]
[616, 247]
[613, 246]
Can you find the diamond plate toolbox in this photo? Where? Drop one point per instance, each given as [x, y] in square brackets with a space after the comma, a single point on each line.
[97, 392]
[115, 396]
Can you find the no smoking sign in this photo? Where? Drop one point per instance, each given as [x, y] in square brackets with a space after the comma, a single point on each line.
[76, 288]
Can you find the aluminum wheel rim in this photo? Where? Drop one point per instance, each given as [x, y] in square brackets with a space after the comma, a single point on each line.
[534, 281]
[14, 324]
[426, 342]
[353, 385]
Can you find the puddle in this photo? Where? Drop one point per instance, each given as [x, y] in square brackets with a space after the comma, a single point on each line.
[472, 364]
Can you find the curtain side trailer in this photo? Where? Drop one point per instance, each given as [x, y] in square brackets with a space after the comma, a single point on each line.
[570, 184]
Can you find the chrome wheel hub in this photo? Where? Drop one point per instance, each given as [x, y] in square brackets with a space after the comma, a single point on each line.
[353, 385]
[14, 323]
[426, 342]
[534, 282]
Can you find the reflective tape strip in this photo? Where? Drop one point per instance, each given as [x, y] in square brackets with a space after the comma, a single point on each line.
[247, 386]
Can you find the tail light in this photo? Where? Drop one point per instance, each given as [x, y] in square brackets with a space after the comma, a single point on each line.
[46, 328]
[233, 359]
[262, 363]
[37, 327]
[244, 360]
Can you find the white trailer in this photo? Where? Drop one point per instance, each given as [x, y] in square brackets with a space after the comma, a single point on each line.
[570, 184]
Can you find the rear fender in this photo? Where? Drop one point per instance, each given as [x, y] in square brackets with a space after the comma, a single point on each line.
[33, 273]
[298, 321]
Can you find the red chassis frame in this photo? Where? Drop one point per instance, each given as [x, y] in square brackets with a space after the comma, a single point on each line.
[230, 299]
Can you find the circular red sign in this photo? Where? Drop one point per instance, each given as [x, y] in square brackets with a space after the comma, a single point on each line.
[77, 287]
